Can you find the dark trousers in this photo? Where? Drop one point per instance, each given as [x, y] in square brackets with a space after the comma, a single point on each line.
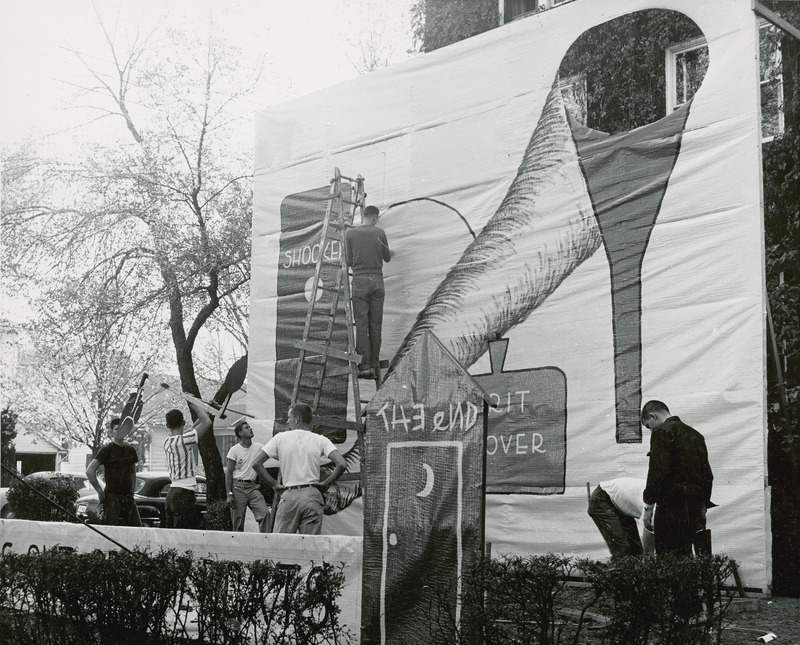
[368, 295]
[676, 523]
[120, 510]
[180, 508]
[618, 530]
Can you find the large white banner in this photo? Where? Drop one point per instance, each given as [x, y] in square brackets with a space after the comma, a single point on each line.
[616, 269]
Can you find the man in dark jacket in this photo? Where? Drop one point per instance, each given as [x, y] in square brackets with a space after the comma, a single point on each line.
[679, 481]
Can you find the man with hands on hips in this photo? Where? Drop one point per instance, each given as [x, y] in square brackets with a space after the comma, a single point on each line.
[298, 451]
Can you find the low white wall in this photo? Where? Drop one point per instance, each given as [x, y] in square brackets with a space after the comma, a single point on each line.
[21, 536]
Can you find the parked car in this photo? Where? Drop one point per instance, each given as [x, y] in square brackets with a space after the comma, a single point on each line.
[83, 485]
[150, 495]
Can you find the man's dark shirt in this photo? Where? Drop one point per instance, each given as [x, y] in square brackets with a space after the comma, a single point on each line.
[120, 465]
[366, 249]
[678, 464]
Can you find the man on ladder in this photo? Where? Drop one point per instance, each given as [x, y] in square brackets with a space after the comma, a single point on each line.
[366, 249]
[322, 354]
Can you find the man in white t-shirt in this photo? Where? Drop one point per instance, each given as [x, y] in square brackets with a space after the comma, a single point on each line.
[299, 451]
[179, 448]
[241, 480]
[615, 505]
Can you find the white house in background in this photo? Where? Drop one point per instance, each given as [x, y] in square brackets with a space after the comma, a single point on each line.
[77, 459]
[223, 432]
[35, 453]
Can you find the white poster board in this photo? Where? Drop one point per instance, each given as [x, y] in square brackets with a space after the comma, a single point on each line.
[441, 141]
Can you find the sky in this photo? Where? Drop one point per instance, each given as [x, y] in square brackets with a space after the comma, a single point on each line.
[308, 45]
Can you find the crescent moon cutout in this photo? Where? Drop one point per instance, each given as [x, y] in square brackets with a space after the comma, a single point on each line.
[428, 481]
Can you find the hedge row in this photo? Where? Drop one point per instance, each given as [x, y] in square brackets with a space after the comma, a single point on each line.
[60, 597]
[545, 600]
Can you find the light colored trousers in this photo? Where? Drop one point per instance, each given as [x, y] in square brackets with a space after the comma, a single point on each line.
[247, 495]
[299, 511]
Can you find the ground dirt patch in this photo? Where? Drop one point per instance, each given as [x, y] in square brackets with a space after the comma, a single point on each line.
[779, 616]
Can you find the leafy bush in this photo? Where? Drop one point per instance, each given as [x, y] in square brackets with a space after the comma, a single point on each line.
[264, 602]
[65, 597]
[782, 221]
[630, 601]
[8, 451]
[218, 516]
[438, 23]
[60, 596]
[27, 505]
[521, 600]
[512, 599]
[664, 599]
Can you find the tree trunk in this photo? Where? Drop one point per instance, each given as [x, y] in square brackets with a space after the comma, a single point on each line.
[209, 451]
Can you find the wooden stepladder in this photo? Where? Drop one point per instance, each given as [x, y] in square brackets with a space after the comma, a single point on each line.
[319, 357]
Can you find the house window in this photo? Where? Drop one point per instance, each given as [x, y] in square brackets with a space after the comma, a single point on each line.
[687, 63]
[513, 9]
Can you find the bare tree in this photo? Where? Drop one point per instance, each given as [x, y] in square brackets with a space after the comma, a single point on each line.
[376, 30]
[81, 364]
[162, 213]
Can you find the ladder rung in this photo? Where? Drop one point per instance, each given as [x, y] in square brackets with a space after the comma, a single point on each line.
[313, 368]
[328, 351]
[337, 371]
[310, 388]
[312, 380]
[336, 422]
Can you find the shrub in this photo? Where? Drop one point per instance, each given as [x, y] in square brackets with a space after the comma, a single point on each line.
[264, 602]
[138, 598]
[27, 505]
[631, 600]
[218, 516]
[664, 599]
[522, 598]
[508, 600]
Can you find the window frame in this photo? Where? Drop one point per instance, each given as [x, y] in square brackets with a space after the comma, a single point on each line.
[672, 52]
[539, 5]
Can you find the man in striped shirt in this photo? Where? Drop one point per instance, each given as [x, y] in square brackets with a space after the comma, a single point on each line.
[180, 451]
